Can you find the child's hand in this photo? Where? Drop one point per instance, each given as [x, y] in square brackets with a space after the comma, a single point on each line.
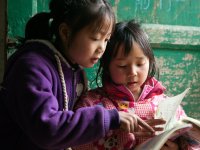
[130, 122]
[155, 124]
[169, 145]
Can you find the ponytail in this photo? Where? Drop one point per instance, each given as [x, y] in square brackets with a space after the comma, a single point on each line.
[38, 27]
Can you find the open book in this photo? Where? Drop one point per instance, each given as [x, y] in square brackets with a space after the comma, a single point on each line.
[187, 126]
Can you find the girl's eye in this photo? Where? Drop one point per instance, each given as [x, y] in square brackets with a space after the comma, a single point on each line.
[107, 40]
[122, 66]
[140, 64]
[95, 39]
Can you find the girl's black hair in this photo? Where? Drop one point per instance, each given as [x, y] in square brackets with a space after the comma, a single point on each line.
[77, 14]
[126, 33]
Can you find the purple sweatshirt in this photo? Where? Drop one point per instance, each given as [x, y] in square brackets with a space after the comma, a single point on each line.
[32, 116]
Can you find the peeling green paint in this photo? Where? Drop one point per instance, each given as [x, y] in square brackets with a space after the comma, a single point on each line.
[173, 36]
[171, 12]
[180, 69]
[20, 11]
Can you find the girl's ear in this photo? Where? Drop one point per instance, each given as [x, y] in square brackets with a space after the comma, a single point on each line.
[64, 32]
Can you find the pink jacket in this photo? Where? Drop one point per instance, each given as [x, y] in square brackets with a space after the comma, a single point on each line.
[118, 96]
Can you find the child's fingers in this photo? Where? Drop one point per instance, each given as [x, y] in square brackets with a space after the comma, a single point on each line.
[130, 122]
[155, 122]
[158, 128]
[143, 134]
[145, 125]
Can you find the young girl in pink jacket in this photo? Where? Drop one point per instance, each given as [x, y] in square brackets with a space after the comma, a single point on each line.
[127, 71]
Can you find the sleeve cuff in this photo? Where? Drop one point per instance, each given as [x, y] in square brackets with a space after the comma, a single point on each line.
[114, 119]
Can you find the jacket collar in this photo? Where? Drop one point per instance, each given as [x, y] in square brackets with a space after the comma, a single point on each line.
[151, 88]
[56, 52]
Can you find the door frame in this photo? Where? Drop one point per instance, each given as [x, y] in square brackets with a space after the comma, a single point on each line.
[3, 36]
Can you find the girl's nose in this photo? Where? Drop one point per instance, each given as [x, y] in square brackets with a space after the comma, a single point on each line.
[99, 51]
[101, 48]
[133, 71]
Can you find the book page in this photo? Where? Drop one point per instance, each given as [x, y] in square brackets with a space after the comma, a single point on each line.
[191, 120]
[167, 109]
[158, 141]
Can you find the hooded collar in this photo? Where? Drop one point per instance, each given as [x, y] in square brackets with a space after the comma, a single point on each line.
[151, 88]
[56, 52]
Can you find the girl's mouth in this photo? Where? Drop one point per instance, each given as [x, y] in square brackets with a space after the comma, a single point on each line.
[132, 83]
[94, 60]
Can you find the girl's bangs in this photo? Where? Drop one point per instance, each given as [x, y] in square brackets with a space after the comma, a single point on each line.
[103, 19]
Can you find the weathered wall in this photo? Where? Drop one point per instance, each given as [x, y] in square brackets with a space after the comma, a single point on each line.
[179, 70]
[171, 12]
[20, 11]
[173, 28]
